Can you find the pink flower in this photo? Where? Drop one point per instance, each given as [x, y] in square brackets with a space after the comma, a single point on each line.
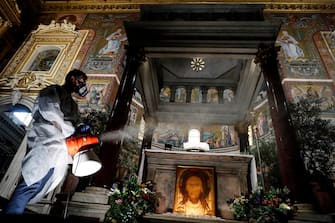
[119, 201]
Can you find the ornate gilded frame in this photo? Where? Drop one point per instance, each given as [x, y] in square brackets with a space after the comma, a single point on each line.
[60, 38]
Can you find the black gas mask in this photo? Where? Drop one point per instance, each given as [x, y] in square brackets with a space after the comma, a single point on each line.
[81, 88]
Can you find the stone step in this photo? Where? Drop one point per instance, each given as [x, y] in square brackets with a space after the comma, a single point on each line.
[90, 198]
[305, 207]
[312, 217]
[97, 190]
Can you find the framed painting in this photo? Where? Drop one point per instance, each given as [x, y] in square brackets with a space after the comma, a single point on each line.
[44, 59]
[195, 191]
[100, 88]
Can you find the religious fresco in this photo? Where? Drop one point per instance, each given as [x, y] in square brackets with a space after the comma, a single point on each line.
[298, 57]
[84, 49]
[321, 94]
[300, 61]
[196, 96]
[132, 114]
[212, 96]
[217, 136]
[263, 123]
[180, 95]
[101, 56]
[165, 94]
[100, 90]
[44, 60]
[168, 133]
[107, 51]
[307, 70]
[228, 95]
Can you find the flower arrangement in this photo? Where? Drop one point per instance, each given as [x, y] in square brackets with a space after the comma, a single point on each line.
[130, 201]
[271, 206]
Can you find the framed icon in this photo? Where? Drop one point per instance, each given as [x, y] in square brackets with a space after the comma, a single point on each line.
[195, 192]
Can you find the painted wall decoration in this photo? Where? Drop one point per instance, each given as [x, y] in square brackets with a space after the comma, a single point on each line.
[318, 93]
[261, 128]
[298, 57]
[132, 114]
[180, 95]
[217, 136]
[172, 134]
[228, 95]
[196, 96]
[107, 52]
[137, 96]
[307, 57]
[165, 94]
[212, 96]
[291, 48]
[44, 60]
[112, 44]
[100, 90]
[263, 123]
[325, 42]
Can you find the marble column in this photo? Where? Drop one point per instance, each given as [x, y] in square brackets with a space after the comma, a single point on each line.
[242, 130]
[150, 126]
[110, 149]
[220, 94]
[173, 93]
[291, 165]
[204, 94]
[188, 94]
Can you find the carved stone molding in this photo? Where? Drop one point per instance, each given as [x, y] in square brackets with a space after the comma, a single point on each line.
[4, 25]
[10, 11]
[44, 59]
[109, 6]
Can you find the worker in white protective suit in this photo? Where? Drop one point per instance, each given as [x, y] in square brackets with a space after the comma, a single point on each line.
[45, 165]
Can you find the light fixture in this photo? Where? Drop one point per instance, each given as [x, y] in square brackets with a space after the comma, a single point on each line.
[85, 163]
[197, 64]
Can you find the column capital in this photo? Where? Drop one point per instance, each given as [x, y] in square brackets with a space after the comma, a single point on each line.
[266, 54]
[135, 54]
[242, 127]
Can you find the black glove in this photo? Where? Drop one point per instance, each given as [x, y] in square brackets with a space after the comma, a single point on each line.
[83, 129]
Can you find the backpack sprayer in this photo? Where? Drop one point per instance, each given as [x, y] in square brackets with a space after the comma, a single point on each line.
[85, 161]
[76, 144]
[79, 145]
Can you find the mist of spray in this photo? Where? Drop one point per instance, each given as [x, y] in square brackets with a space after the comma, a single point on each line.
[121, 134]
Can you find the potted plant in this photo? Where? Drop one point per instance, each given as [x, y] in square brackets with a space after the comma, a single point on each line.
[271, 206]
[317, 148]
[130, 201]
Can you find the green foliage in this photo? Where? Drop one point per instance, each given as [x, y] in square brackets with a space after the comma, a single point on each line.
[316, 139]
[130, 201]
[270, 163]
[97, 120]
[271, 206]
